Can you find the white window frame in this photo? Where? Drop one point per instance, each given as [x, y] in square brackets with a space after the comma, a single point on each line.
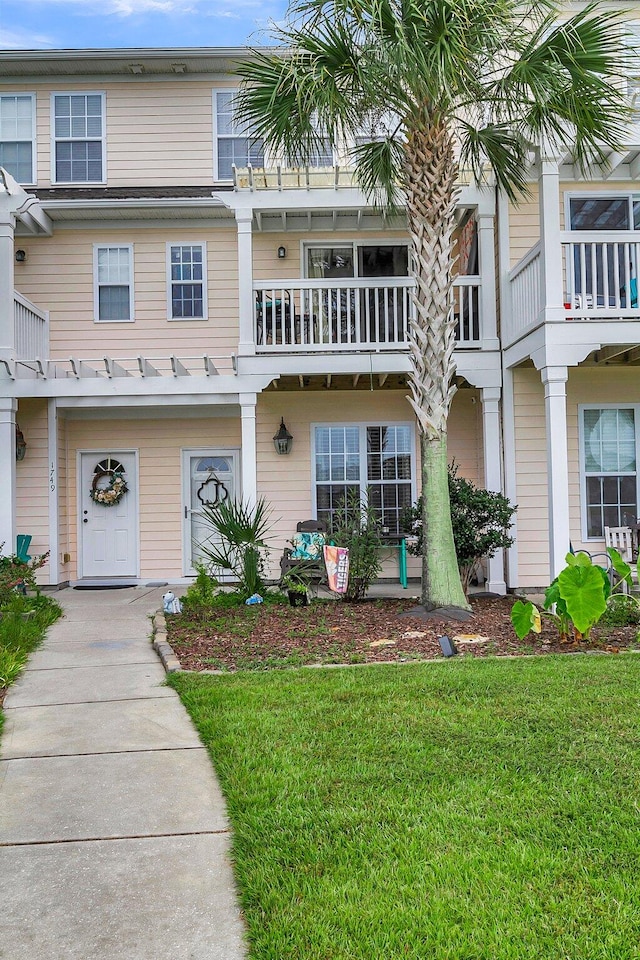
[362, 427]
[332, 241]
[630, 195]
[34, 156]
[224, 136]
[96, 283]
[55, 140]
[582, 461]
[205, 304]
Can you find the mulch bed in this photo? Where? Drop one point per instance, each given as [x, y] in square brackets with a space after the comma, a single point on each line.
[276, 636]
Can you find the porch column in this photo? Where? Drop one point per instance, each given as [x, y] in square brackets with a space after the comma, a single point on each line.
[492, 445]
[7, 322]
[244, 220]
[54, 537]
[555, 405]
[487, 261]
[551, 280]
[249, 467]
[8, 408]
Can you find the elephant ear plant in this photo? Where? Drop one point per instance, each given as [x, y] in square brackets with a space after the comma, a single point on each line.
[577, 598]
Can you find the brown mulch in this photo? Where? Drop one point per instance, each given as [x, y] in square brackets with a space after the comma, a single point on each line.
[276, 635]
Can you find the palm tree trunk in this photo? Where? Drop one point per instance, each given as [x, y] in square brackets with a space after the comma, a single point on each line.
[431, 174]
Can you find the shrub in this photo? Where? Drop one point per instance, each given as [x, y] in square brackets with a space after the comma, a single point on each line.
[238, 542]
[202, 592]
[16, 574]
[481, 520]
[356, 525]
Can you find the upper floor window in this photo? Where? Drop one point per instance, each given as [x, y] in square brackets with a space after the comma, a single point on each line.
[234, 146]
[113, 284]
[187, 281]
[17, 136]
[609, 467]
[604, 213]
[78, 133]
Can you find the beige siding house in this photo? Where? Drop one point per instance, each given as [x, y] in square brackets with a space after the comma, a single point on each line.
[169, 293]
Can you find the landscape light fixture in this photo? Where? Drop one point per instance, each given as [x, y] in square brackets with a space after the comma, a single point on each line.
[283, 441]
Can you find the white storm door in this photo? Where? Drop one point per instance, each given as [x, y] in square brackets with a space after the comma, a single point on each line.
[108, 534]
[209, 477]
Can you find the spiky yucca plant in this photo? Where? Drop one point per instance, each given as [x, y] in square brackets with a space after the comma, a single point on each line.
[437, 86]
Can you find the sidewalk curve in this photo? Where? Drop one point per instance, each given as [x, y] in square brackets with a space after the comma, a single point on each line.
[114, 839]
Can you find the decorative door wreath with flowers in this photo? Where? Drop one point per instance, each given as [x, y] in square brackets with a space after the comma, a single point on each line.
[109, 485]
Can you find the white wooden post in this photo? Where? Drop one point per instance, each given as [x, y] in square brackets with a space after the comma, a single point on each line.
[510, 477]
[54, 536]
[490, 398]
[487, 261]
[7, 308]
[551, 279]
[8, 408]
[555, 405]
[249, 450]
[247, 340]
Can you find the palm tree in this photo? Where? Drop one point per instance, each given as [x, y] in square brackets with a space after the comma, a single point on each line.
[437, 86]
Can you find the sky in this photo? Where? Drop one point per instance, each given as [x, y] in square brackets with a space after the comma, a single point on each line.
[59, 24]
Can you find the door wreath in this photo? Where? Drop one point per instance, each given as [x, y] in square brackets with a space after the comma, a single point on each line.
[114, 490]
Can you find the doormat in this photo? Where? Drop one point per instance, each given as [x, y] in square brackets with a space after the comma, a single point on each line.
[105, 586]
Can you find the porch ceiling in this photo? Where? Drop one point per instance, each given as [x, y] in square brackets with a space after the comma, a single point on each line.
[619, 165]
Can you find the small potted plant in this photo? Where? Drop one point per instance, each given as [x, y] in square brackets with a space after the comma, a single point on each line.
[296, 585]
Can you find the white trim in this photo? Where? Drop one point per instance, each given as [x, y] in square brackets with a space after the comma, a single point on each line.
[362, 427]
[205, 271]
[96, 283]
[5, 94]
[582, 473]
[108, 452]
[78, 93]
[185, 487]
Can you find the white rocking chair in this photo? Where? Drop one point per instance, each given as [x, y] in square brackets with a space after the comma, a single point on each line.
[621, 539]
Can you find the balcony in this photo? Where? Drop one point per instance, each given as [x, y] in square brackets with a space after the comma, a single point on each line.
[600, 272]
[31, 330]
[353, 315]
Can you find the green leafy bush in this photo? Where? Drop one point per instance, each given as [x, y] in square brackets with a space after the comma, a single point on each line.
[18, 574]
[481, 520]
[202, 592]
[356, 525]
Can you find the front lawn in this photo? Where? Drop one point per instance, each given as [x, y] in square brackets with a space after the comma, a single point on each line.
[475, 809]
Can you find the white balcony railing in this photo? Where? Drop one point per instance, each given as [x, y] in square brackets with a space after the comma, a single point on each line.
[601, 272]
[526, 296]
[31, 330]
[303, 316]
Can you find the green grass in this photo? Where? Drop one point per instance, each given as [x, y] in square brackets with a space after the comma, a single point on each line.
[19, 636]
[472, 810]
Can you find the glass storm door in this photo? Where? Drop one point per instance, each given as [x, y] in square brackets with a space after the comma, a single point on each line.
[209, 478]
[108, 533]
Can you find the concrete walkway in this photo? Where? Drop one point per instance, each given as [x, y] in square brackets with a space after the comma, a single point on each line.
[113, 835]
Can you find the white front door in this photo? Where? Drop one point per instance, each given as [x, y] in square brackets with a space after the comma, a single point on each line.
[209, 477]
[108, 533]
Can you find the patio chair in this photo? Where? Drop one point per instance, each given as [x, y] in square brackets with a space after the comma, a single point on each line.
[306, 556]
[621, 539]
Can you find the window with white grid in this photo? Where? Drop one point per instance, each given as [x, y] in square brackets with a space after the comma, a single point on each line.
[235, 146]
[113, 273]
[187, 281]
[17, 136]
[78, 132]
[376, 462]
[609, 464]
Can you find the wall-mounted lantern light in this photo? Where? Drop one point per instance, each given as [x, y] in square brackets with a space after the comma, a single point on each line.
[21, 256]
[21, 444]
[282, 252]
[283, 441]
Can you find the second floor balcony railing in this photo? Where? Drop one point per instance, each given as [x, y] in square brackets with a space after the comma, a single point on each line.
[31, 329]
[306, 316]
